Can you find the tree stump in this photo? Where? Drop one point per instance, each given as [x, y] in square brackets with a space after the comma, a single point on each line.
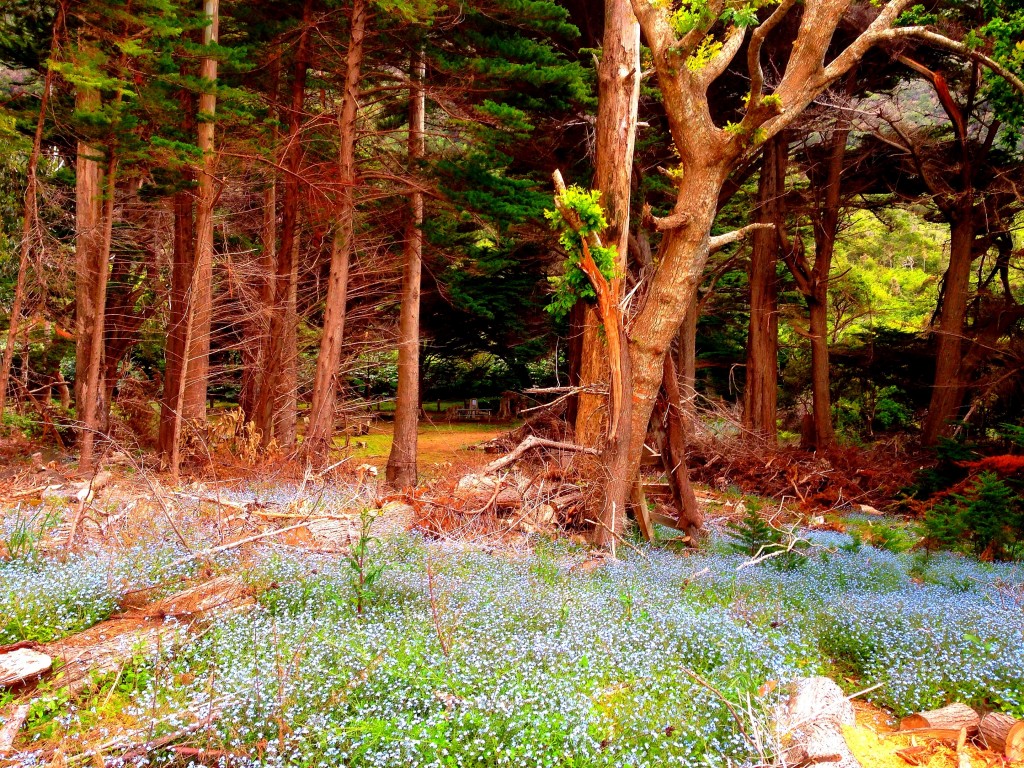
[1004, 734]
[810, 724]
[951, 718]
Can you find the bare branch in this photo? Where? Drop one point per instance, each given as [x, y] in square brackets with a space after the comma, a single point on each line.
[714, 68]
[718, 242]
[946, 43]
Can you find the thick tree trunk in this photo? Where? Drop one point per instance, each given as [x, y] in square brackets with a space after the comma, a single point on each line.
[618, 98]
[88, 243]
[274, 390]
[197, 368]
[177, 327]
[91, 397]
[401, 469]
[28, 229]
[682, 256]
[947, 392]
[320, 431]
[760, 392]
[821, 381]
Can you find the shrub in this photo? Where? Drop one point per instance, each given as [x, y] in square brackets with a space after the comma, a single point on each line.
[989, 518]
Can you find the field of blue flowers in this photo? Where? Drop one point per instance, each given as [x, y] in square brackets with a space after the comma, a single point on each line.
[463, 658]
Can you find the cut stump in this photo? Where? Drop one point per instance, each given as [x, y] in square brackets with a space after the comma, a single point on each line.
[1004, 734]
[810, 724]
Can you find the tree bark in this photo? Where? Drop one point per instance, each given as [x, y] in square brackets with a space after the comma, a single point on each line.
[257, 347]
[947, 393]
[29, 224]
[91, 399]
[178, 322]
[88, 243]
[274, 391]
[687, 368]
[691, 518]
[401, 469]
[618, 99]
[760, 392]
[197, 362]
[320, 431]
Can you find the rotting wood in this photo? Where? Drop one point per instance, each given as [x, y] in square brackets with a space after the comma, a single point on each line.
[104, 647]
[1003, 733]
[22, 664]
[952, 717]
[11, 727]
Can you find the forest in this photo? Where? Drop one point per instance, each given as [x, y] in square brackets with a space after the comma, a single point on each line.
[512, 382]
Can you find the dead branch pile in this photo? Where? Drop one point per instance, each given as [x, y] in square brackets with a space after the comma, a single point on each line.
[817, 481]
[547, 422]
[540, 485]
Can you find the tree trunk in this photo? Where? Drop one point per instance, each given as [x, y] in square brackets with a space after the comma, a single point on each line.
[682, 256]
[814, 285]
[91, 391]
[257, 343]
[286, 407]
[178, 323]
[320, 431]
[401, 469]
[687, 368]
[88, 243]
[197, 368]
[618, 98]
[760, 393]
[274, 390]
[690, 516]
[29, 224]
[947, 392]
[257, 332]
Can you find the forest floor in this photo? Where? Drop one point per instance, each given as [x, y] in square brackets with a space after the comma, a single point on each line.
[440, 444]
[243, 622]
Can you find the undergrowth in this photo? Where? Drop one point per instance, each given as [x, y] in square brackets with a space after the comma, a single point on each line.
[459, 658]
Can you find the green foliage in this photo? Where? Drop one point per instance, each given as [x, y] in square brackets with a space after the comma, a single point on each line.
[27, 529]
[988, 519]
[573, 284]
[756, 537]
[704, 53]
[365, 571]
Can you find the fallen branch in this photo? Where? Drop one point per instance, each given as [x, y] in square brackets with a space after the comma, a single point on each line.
[530, 443]
[233, 545]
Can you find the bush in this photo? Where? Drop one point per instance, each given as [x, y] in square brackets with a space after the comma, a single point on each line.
[989, 518]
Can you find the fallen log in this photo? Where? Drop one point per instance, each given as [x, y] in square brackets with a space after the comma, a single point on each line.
[1003, 733]
[952, 717]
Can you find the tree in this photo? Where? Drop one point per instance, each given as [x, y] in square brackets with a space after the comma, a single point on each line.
[401, 468]
[320, 430]
[618, 81]
[691, 47]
